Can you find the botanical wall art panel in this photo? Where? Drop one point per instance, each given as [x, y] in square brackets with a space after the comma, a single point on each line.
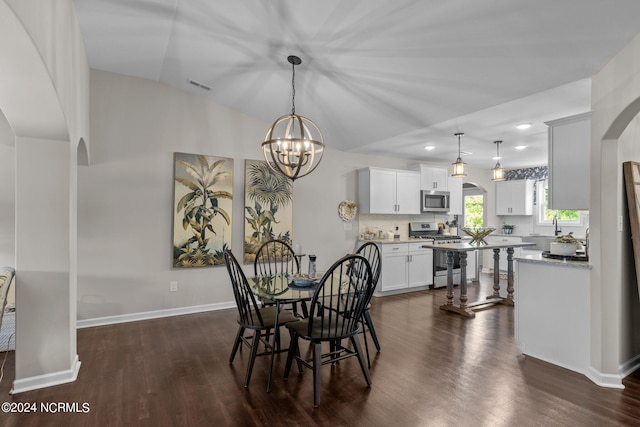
[203, 187]
[268, 207]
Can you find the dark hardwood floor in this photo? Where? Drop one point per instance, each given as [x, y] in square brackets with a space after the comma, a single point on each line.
[435, 369]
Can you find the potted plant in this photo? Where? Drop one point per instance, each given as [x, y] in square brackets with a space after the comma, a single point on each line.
[564, 245]
[507, 228]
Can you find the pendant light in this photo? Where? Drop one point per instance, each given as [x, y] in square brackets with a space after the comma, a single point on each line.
[498, 171]
[294, 144]
[458, 166]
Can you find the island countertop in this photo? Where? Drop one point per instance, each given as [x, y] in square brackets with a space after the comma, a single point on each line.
[466, 246]
[539, 259]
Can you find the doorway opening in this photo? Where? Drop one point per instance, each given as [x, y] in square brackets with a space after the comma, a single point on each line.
[474, 209]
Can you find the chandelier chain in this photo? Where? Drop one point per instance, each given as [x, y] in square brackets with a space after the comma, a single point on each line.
[293, 85]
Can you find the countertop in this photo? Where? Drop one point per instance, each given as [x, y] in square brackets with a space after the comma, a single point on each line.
[465, 246]
[539, 259]
[391, 241]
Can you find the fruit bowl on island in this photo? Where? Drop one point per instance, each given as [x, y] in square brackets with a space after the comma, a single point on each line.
[478, 234]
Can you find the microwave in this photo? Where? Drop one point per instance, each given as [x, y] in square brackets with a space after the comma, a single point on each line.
[434, 201]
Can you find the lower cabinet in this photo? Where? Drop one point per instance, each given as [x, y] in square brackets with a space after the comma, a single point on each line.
[405, 266]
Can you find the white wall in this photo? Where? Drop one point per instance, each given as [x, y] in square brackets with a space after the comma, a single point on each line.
[7, 200]
[614, 138]
[125, 196]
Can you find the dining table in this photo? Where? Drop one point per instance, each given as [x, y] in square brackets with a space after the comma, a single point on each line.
[281, 289]
[465, 308]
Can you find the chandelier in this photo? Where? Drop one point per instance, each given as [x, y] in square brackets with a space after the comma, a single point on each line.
[458, 166]
[498, 171]
[294, 144]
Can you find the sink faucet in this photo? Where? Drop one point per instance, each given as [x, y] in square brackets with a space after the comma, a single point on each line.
[555, 223]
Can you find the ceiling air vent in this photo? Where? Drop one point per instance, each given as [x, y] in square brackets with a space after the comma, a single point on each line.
[200, 85]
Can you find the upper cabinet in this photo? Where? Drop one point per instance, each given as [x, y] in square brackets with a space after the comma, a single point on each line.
[432, 178]
[569, 162]
[456, 203]
[388, 191]
[514, 197]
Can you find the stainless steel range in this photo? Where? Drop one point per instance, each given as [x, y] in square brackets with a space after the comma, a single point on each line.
[430, 231]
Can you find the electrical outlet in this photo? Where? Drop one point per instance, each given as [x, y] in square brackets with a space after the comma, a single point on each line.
[619, 222]
[173, 286]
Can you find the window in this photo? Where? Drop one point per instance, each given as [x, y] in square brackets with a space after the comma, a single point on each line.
[473, 210]
[546, 215]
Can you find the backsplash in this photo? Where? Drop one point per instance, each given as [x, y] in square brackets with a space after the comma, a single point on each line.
[388, 223]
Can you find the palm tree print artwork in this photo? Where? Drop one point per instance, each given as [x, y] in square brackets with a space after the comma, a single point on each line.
[202, 209]
[268, 209]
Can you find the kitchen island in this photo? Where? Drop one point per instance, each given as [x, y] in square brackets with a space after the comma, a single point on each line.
[465, 308]
[552, 311]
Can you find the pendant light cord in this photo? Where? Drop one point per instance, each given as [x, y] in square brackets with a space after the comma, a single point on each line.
[293, 85]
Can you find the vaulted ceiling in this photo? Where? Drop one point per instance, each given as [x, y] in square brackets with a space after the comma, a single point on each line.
[377, 76]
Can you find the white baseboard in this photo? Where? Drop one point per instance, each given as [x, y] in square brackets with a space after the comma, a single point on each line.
[47, 380]
[146, 315]
[605, 380]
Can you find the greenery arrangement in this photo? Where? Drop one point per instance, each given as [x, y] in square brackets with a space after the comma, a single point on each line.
[508, 228]
[567, 238]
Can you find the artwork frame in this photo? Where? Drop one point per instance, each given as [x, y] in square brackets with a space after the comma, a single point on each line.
[268, 207]
[202, 209]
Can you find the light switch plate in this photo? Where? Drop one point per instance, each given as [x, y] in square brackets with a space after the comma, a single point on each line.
[619, 222]
[347, 226]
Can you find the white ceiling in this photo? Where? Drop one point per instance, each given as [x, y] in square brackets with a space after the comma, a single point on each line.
[377, 76]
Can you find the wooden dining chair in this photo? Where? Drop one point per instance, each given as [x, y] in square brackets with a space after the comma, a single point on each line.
[251, 316]
[371, 252]
[346, 287]
[277, 257]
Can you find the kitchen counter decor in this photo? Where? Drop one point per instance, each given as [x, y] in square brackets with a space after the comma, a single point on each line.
[507, 228]
[478, 234]
[564, 245]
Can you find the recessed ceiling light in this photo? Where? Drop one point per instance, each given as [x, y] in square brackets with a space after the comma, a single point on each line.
[520, 147]
[466, 153]
[429, 147]
[496, 158]
[523, 126]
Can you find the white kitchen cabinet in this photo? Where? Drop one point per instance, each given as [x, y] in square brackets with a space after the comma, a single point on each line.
[514, 197]
[420, 265]
[388, 191]
[393, 275]
[432, 177]
[405, 266]
[569, 162]
[552, 313]
[456, 201]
